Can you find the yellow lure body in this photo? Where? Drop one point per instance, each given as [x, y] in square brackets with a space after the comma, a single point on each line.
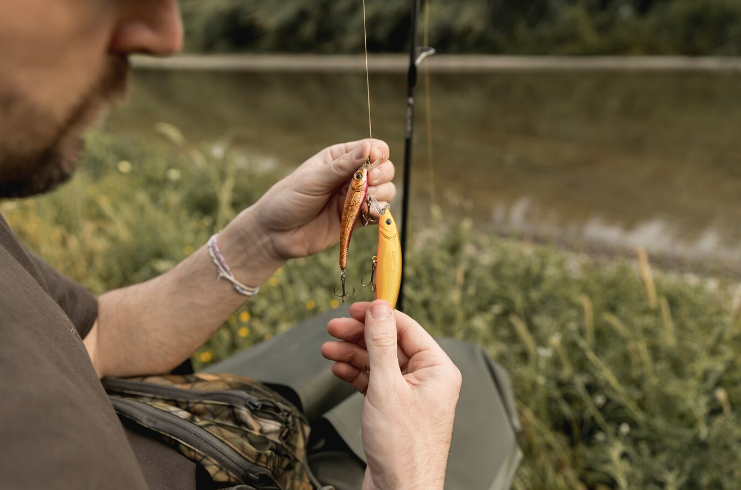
[388, 268]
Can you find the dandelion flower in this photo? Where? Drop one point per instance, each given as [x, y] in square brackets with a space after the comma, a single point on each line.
[545, 352]
[600, 400]
[243, 332]
[274, 281]
[217, 151]
[173, 174]
[245, 316]
[205, 356]
[334, 303]
[310, 304]
[268, 336]
[124, 167]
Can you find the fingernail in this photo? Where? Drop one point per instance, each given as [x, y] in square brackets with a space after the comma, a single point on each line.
[359, 152]
[376, 175]
[381, 311]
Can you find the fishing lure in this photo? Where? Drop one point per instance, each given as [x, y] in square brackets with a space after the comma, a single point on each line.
[353, 202]
[386, 266]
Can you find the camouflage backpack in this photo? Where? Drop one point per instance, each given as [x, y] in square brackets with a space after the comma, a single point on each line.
[239, 431]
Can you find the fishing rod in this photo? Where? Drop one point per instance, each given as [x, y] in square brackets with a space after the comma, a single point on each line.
[416, 55]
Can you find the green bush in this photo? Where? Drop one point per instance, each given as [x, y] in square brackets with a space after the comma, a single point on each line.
[697, 28]
[622, 380]
[574, 27]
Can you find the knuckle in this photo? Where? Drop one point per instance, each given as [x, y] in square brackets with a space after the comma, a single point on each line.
[391, 170]
[453, 375]
[382, 339]
[338, 166]
[458, 378]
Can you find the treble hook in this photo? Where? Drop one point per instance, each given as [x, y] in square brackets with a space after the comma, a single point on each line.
[344, 294]
[372, 282]
[371, 201]
[367, 219]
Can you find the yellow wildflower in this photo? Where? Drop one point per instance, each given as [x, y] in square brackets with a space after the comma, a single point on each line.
[268, 336]
[334, 303]
[245, 316]
[243, 332]
[274, 281]
[310, 304]
[205, 356]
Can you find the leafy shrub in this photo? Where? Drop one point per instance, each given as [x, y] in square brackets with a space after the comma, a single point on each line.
[575, 27]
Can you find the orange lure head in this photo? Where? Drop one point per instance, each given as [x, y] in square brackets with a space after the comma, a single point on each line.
[353, 202]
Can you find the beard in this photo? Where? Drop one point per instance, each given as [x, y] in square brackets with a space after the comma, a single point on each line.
[30, 168]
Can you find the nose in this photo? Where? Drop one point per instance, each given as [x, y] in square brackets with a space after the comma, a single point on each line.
[148, 27]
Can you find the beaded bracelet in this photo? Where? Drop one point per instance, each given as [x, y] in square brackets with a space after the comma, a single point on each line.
[224, 271]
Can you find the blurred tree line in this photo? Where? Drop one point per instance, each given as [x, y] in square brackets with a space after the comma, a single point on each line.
[559, 27]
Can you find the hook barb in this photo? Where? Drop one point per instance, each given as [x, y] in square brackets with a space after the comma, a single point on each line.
[344, 293]
[372, 283]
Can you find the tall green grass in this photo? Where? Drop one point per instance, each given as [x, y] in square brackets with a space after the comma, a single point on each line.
[625, 377]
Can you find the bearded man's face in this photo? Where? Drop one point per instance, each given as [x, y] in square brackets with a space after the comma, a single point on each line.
[61, 63]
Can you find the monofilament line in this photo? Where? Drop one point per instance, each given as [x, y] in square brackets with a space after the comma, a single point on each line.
[367, 77]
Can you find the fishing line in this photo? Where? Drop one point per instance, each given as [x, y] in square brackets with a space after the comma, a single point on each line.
[367, 76]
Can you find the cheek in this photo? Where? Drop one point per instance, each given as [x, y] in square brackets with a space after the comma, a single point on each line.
[52, 51]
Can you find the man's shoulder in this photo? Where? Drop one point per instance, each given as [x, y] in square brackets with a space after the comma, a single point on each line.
[51, 396]
[26, 277]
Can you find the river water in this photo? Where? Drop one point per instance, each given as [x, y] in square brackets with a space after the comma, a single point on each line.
[594, 160]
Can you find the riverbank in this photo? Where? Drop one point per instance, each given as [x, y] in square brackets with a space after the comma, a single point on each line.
[625, 376]
[439, 64]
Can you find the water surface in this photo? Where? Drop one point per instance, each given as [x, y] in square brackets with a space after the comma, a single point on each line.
[600, 160]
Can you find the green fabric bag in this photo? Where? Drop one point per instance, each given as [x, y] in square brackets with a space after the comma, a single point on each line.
[238, 430]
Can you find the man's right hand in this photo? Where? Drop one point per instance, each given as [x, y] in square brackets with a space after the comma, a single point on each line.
[411, 389]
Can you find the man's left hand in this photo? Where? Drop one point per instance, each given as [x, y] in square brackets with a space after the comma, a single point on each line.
[300, 215]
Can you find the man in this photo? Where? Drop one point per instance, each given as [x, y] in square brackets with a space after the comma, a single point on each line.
[61, 63]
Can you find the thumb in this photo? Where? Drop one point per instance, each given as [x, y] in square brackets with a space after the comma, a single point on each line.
[381, 339]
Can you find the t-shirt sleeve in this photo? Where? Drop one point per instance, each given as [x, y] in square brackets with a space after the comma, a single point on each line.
[80, 306]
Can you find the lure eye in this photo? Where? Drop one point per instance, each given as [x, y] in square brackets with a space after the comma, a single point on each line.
[388, 221]
[358, 176]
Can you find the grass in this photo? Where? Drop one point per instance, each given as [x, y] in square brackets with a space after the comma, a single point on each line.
[625, 377]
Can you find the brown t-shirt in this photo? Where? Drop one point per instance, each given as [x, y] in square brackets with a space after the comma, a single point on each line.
[57, 427]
